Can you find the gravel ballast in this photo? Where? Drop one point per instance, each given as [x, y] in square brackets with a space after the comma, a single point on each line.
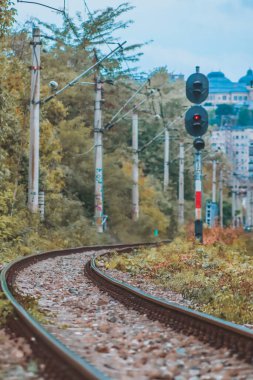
[119, 341]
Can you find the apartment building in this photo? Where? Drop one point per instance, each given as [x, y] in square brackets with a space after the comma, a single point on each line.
[237, 144]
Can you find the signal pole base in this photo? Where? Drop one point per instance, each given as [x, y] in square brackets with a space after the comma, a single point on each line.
[199, 230]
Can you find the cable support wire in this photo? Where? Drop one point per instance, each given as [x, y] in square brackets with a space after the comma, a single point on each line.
[151, 141]
[159, 134]
[92, 18]
[102, 37]
[75, 80]
[127, 102]
[63, 11]
[111, 123]
[84, 154]
[109, 126]
[43, 5]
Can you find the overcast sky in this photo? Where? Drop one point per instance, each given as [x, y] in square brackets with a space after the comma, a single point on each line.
[214, 34]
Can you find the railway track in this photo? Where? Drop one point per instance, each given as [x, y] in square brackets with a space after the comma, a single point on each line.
[59, 361]
[215, 331]
[62, 363]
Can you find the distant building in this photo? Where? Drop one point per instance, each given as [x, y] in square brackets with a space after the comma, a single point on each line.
[175, 77]
[237, 144]
[223, 91]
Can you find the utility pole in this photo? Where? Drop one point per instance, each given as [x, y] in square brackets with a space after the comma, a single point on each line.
[249, 205]
[135, 189]
[33, 180]
[233, 201]
[221, 197]
[166, 160]
[214, 182]
[181, 185]
[42, 205]
[98, 142]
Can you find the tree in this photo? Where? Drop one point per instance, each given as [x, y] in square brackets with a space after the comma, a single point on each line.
[245, 117]
[224, 109]
[7, 13]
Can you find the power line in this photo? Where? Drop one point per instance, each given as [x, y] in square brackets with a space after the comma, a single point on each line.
[109, 126]
[151, 141]
[92, 18]
[75, 80]
[127, 102]
[43, 5]
[83, 154]
[160, 133]
[102, 37]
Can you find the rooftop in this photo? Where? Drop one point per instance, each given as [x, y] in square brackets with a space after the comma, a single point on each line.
[218, 83]
[248, 78]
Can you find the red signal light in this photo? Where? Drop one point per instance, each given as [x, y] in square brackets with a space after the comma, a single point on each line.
[196, 117]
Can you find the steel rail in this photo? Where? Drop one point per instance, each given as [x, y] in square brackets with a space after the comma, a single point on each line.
[74, 366]
[237, 338]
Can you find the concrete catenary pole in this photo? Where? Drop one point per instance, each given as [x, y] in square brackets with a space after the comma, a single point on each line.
[98, 142]
[135, 172]
[33, 176]
[42, 205]
[214, 182]
[221, 197]
[233, 202]
[249, 205]
[166, 175]
[181, 185]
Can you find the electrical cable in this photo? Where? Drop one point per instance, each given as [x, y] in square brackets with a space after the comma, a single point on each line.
[92, 18]
[83, 154]
[72, 28]
[76, 79]
[151, 141]
[43, 5]
[127, 102]
[100, 35]
[159, 134]
[109, 126]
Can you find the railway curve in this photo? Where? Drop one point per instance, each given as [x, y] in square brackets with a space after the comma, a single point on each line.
[68, 364]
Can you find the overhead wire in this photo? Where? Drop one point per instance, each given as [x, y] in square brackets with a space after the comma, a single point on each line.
[92, 18]
[109, 126]
[84, 154]
[43, 5]
[127, 102]
[102, 37]
[111, 123]
[76, 79]
[160, 133]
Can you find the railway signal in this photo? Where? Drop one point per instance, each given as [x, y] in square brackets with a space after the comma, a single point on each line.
[196, 124]
[197, 87]
[196, 121]
[199, 143]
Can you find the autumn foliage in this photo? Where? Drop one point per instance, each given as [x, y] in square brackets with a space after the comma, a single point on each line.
[216, 234]
[216, 277]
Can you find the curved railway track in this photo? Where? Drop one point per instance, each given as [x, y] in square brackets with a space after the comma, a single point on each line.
[61, 363]
[215, 331]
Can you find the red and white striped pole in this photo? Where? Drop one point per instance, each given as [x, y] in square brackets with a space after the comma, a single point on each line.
[198, 197]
